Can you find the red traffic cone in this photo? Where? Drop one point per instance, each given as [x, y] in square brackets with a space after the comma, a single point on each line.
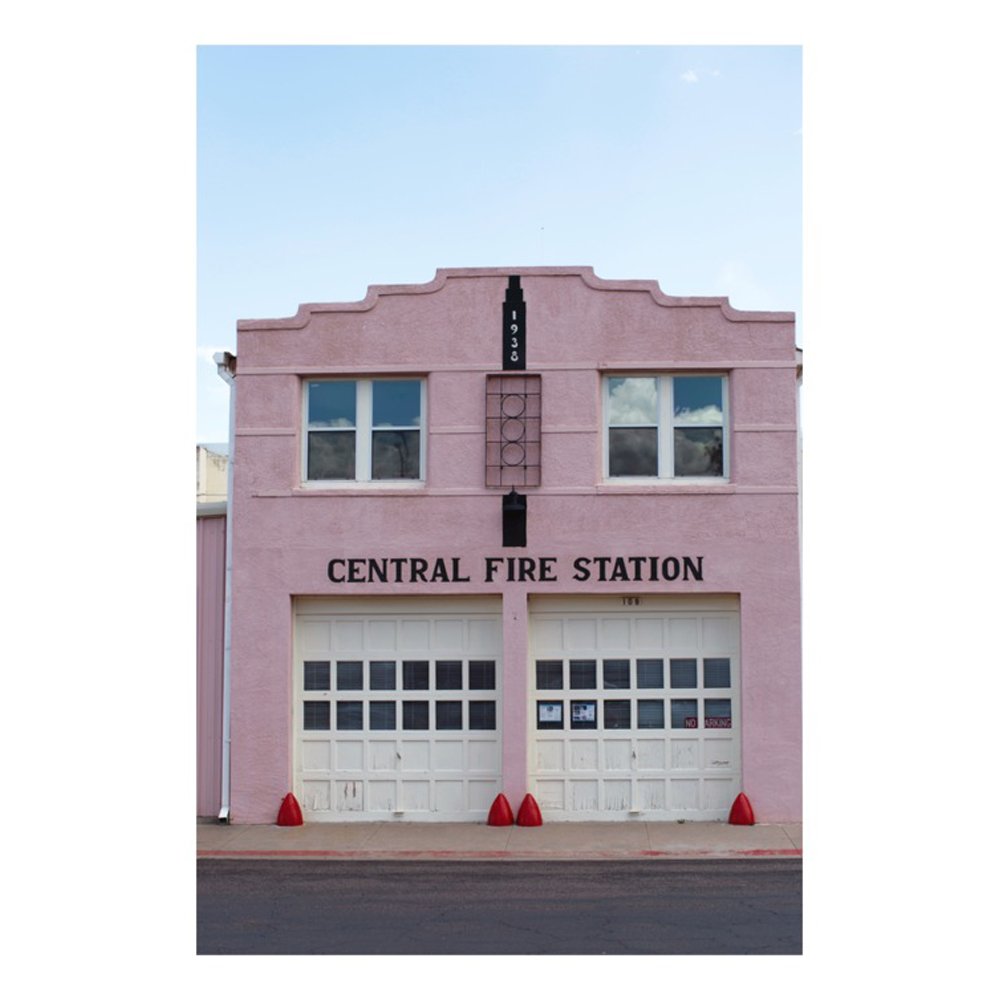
[742, 812]
[289, 814]
[501, 813]
[529, 814]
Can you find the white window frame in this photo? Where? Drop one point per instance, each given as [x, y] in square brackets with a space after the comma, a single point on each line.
[363, 430]
[665, 427]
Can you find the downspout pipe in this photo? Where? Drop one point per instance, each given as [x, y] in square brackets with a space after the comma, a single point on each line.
[226, 365]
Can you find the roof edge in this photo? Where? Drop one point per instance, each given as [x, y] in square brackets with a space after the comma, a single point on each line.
[649, 286]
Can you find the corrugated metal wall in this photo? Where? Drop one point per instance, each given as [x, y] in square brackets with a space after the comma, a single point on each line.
[211, 620]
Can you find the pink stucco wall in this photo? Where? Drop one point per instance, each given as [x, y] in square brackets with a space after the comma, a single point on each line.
[579, 327]
[211, 569]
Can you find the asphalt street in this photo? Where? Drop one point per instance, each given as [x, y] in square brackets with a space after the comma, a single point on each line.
[702, 907]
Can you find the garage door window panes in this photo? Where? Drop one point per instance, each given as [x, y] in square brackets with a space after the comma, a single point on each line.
[450, 712]
[317, 675]
[316, 715]
[688, 677]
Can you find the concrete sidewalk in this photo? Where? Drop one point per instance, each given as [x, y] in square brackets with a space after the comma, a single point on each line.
[479, 842]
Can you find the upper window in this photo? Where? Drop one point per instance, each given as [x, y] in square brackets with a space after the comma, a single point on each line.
[364, 430]
[666, 426]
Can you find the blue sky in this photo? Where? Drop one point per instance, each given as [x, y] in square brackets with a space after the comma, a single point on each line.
[324, 169]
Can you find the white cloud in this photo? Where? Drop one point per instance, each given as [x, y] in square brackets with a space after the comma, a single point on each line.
[690, 76]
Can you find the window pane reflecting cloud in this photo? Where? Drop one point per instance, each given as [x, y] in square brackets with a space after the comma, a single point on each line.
[396, 404]
[632, 400]
[697, 399]
[698, 451]
[332, 404]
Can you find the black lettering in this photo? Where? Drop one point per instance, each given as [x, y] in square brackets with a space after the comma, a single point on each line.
[581, 568]
[329, 570]
[525, 569]
[671, 568]
[695, 571]
[492, 564]
[376, 568]
[354, 571]
[398, 565]
[602, 564]
[418, 570]
[546, 566]
[637, 562]
[440, 574]
[456, 573]
[654, 569]
[619, 572]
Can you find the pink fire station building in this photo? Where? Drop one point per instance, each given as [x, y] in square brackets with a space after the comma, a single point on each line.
[512, 530]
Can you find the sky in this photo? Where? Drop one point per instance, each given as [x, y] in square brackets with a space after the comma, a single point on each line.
[325, 169]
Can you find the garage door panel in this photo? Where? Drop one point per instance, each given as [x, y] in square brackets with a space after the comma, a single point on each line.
[584, 755]
[719, 753]
[649, 634]
[315, 756]
[381, 636]
[652, 755]
[416, 755]
[484, 636]
[581, 633]
[584, 796]
[482, 793]
[414, 636]
[549, 756]
[719, 793]
[315, 795]
[350, 756]
[683, 635]
[615, 633]
[618, 755]
[448, 756]
[417, 795]
[448, 635]
[718, 635]
[684, 794]
[637, 711]
[483, 756]
[617, 796]
[347, 634]
[349, 796]
[381, 796]
[551, 795]
[314, 637]
[652, 795]
[395, 713]
[449, 796]
[382, 756]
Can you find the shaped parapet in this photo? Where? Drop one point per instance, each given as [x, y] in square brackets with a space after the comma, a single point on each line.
[650, 287]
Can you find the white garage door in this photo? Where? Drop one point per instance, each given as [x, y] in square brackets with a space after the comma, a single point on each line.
[397, 709]
[634, 708]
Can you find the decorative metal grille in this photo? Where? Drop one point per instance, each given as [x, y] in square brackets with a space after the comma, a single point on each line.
[513, 430]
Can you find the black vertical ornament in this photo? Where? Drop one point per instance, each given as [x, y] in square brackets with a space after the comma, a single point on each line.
[515, 520]
[513, 326]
